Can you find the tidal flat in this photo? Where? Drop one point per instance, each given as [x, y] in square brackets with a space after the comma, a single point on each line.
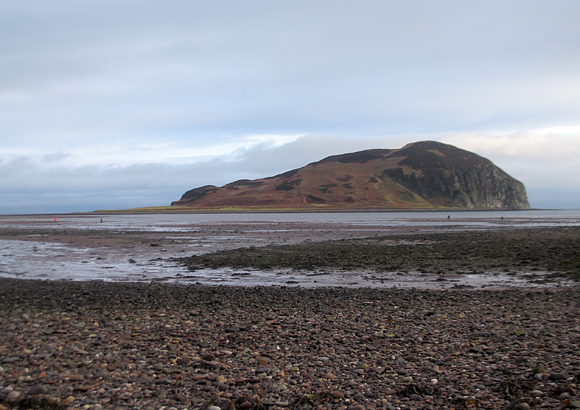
[378, 249]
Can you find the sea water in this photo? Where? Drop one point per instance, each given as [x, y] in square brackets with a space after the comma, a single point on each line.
[39, 259]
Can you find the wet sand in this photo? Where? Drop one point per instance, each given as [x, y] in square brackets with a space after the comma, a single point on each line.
[146, 248]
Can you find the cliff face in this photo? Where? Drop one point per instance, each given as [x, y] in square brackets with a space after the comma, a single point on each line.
[450, 176]
[420, 175]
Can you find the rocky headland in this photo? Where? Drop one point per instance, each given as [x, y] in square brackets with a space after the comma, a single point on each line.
[421, 175]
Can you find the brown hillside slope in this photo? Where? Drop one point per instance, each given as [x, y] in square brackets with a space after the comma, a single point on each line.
[421, 175]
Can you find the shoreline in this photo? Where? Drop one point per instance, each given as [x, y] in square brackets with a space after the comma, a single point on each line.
[136, 211]
[439, 255]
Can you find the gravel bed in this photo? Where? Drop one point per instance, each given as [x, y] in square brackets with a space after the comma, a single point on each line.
[93, 345]
[555, 250]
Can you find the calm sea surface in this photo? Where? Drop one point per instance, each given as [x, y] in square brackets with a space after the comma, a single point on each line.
[165, 222]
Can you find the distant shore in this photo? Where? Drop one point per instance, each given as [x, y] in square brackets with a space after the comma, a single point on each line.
[184, 210]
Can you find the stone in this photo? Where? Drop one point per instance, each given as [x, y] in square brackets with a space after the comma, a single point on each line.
[13, 396]
[557, 376]
[263, 370]
[38, 389]
[359, 397]
[522, 406]
[337, 394]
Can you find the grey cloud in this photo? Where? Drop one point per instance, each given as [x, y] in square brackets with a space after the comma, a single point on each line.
[96, 72]
[55, 157]
[115, 69]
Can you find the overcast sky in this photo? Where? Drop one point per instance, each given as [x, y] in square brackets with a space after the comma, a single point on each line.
[120, 104]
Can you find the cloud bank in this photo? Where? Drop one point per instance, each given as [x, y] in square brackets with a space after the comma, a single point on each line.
[546, 164]
[131, 103]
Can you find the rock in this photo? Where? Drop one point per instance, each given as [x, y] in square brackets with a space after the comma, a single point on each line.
[214, 408]
[263, 370]
[208, 357]
[337, 394]
[557, 376]
[429, 171]
[38, 389]
[415, 397]
[359, 397]
[522, 406]
[13, 396]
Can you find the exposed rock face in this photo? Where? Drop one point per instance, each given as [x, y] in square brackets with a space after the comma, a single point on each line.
[420, 175]
[454, 177]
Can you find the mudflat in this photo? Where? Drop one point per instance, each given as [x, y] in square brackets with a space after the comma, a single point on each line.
[321, 250]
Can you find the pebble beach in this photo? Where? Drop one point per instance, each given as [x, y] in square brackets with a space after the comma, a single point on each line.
[95, 345]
